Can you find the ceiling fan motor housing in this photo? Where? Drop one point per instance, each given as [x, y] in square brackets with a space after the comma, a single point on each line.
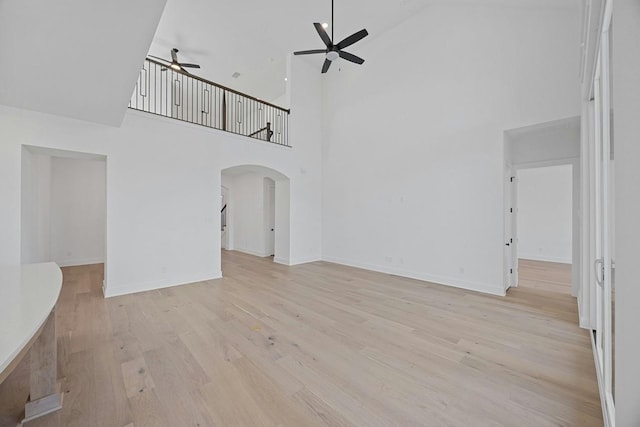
[335, 51]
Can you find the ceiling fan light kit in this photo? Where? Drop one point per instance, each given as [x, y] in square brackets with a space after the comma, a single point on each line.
[334, 51]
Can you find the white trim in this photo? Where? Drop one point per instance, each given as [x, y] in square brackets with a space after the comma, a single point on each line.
[608, 422]
[114, 291]
[307, 260]
[78, 262]
[582, 318]
[548, 163]
[546, 258]
[283, 261]
[440, 280]
[252, 252]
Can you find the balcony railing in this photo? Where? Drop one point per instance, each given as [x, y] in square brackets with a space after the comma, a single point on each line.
[163, 91]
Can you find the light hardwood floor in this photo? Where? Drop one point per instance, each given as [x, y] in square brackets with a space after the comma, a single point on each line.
[545, 276]
[316, 345]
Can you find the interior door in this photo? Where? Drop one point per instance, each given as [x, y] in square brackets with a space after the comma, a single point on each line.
[271, 217]
[514, 228]
[511, 227]
[507, 255]
[603, 209]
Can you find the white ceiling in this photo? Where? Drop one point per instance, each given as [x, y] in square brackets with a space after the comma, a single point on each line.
[74, 58]
[253, 37]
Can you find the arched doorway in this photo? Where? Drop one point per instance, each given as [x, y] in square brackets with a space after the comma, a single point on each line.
[255, 211]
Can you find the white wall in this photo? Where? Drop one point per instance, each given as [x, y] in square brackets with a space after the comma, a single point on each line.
[413, 154]
[78, 206]
[75, 58]
[163, 186]
[544, 213]
[626, 107]
[543, 142]
[62, 209]
[282, 244]
[248, 214]
[35, 207]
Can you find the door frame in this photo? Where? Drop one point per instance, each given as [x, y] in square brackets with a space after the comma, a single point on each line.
[511, 223]
[602, 209]
[510, 227]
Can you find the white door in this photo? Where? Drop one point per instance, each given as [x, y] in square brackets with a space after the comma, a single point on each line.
[514, 228]
[271, 217]
[602, 207]
[511, 228]
[507, 258]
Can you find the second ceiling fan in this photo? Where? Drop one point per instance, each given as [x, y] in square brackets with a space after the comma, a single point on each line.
[174, 64]
[334, 51]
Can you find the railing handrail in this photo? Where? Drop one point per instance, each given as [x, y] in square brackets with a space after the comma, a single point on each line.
[258, 131]
[228, 89]
[180, 95]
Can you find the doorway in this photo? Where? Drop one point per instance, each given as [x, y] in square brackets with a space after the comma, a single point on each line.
[63, 207]
[270, 215]
[543, 213]
[256, 217]
[533, 150]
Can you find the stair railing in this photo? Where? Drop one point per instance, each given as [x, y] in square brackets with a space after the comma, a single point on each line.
[183, 96]
[223, 217]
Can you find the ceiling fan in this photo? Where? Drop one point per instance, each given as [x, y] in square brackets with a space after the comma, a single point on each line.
[334, 51]
[174, 64]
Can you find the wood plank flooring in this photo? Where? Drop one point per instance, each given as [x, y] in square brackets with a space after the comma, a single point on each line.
[315, 345]
[545, 276]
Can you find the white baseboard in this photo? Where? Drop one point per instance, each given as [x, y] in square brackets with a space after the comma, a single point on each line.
[545, 258]
[282, 261]
[607, 417]
[252, 252]
[298, 261]
[78, 262]
[117, 290]
[446, 281]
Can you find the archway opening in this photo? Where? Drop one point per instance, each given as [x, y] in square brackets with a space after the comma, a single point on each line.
[255, 212]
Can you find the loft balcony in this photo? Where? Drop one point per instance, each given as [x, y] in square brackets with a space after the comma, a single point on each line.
[178, 95]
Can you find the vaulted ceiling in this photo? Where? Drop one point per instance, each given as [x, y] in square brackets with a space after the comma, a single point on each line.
[74, 58]
[81, 59]
[253, 37]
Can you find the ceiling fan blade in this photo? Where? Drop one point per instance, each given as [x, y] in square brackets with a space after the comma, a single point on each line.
[157, 57]
[352, 39]
[323, 34]
[350, 57]
[186, 65]
[326, 65]
[174, 54]
[309, 52]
